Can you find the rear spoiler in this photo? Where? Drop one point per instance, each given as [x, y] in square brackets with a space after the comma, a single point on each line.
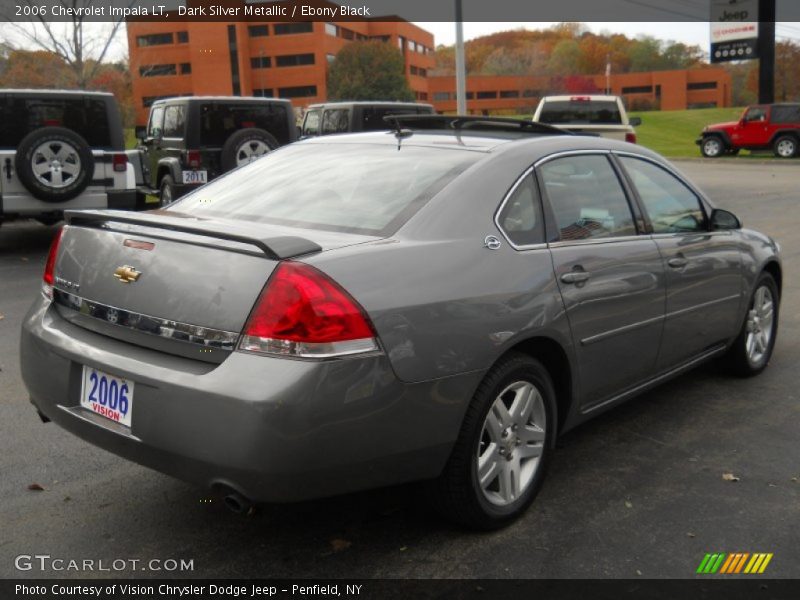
[275, 248]
[404, 123]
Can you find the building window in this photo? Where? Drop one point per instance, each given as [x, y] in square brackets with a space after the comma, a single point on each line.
[638, 89]
[422, 95]
[183, 37]
[401, 42]
[470, 95]
[486, 95]
[157, 70]
[302, 91]
[331, 29]
[346, 34]
[380, 38]
[260, 62]
[702, 85]
[258, 30]
[263, 92]
[360, 37]
[330, 58]
[154, 39]
[423, 73]
[412, 47]
[530, 93]
[441, 96]
[509, 93]
[414, 70]
[186, 68]
[294, 60]
[292, 28]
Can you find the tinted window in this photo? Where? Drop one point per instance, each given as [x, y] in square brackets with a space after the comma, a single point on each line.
[521, 217]
[311, 123]
[580, 111]
[671, 205]
[174, 121]
[219, 121]
[336, 121]
[156, 126]
[786, 114]
[85, 116]
[587, 198]
[372, 117]
[358, 188]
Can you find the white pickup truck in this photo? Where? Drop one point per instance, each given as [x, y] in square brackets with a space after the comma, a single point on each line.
[599, 115]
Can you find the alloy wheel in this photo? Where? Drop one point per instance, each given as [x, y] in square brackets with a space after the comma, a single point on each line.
[250, 151]
[759, 325]
[55, 164]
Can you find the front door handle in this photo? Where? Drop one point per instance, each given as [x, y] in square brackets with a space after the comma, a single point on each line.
[677, 263]
[575, 277]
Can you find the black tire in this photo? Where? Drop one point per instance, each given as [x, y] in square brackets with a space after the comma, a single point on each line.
[77, 160]
[456, 494]
[167, 194]
[252, 135]
[738, 360]
[785, 146]
[712, 146]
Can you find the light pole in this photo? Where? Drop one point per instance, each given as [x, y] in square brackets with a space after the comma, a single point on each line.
[461, 71]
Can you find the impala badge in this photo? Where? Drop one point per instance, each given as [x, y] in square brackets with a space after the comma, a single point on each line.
[127, 274]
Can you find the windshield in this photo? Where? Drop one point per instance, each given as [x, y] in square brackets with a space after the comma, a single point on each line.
[357, 188]
[599, 112]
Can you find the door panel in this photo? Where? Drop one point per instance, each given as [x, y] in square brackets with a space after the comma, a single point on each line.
[610, 277]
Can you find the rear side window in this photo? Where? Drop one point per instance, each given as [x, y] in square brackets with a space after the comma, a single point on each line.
[219, 121]
[311, 123]
[174, 121]
[521, 215]
[581, 111]
[336, 121]
[85, 116]
[670, 204]
[587, 198]
[359, 188]
[786, 114]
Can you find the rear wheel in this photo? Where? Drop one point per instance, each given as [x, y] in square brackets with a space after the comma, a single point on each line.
[712, 147]
[500, 458]
[752, 349]
[167, 194]
[785, 146]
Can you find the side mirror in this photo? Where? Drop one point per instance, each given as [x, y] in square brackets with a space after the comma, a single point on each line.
[723, 220]
[635, 121]
[140, 132]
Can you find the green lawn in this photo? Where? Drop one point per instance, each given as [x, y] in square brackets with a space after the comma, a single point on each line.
[130, 138]
[672, 133]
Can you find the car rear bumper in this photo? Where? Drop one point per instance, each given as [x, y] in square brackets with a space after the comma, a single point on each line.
[272, 429]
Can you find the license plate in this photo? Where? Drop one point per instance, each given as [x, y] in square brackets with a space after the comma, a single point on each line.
[195, 176]
[107, 395]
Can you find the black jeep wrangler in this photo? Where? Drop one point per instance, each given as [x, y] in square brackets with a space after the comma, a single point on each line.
[189, 141]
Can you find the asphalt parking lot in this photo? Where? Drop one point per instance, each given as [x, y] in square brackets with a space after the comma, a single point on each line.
[638, 492]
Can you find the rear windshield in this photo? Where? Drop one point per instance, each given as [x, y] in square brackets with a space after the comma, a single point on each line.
[219, 121]
[85, 116]
[371, 189]
[599, 112]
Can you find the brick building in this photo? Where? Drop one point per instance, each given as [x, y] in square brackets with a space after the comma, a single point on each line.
[290, 60]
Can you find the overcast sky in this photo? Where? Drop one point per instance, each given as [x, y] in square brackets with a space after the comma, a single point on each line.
[444, 33]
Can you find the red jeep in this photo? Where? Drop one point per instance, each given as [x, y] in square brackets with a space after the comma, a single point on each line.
[773, 127]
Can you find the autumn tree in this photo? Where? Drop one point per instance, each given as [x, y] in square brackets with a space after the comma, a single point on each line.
[368, 71]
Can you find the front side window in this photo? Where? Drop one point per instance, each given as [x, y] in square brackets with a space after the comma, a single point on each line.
[156, 125]
[311, 123]
[521, 215]
[670, 204]
[587, 198]
[336, 121]
[757, 113]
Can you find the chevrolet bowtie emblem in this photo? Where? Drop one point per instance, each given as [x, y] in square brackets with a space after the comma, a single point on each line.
[127, 274]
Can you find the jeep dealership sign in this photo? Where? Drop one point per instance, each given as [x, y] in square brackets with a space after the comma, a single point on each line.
[734, 30]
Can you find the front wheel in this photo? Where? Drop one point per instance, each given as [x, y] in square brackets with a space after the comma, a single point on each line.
[167, 195]
[750, 353]
[500, 458]
[785, 146]
[712, 147]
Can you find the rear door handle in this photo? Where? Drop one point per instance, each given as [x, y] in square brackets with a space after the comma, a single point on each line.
[575, 277]
[677, 263]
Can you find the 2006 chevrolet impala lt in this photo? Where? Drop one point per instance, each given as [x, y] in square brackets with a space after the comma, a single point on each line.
[434, 303]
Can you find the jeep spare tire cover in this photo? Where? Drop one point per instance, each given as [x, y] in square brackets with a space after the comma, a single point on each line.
[245, 146]
[55, 164]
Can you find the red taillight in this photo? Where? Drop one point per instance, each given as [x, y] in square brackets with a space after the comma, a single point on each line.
[193, 159]
[630, 137]
[302, 312]
[50, 265]
[120, 162]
